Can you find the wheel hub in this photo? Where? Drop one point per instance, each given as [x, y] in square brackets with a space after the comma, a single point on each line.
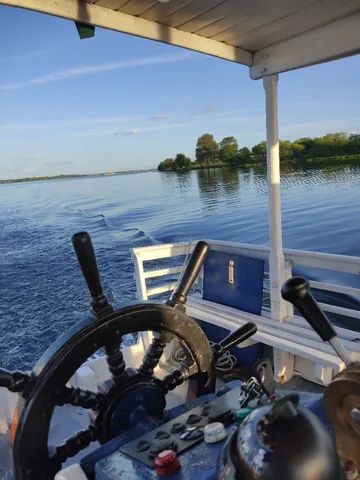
[126, 404]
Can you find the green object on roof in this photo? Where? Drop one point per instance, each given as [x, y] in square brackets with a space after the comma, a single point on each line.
[85, 31]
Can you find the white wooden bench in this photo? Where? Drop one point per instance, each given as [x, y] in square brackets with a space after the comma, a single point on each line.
[294, 336]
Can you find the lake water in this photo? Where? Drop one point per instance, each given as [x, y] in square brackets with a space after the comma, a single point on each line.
[42, 292]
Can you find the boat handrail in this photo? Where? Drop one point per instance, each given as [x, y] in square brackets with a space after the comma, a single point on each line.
[144, 258]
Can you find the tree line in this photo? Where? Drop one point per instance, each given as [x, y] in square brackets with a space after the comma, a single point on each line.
[209, 153]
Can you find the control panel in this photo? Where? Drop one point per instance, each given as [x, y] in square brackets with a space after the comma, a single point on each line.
[184, 431]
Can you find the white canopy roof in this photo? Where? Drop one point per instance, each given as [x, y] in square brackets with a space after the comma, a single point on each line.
[270, 36]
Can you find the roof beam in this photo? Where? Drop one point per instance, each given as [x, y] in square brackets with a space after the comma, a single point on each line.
[329, 42]
[81, 11]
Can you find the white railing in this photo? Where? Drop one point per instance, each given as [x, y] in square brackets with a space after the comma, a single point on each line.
[297, 348]
[301, 258]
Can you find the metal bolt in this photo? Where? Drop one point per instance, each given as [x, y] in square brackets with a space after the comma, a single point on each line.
[355, 415]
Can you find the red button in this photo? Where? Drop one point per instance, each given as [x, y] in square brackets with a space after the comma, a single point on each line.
[166, 462]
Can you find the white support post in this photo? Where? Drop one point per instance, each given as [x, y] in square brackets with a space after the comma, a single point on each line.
[276, 260]
[278, 269]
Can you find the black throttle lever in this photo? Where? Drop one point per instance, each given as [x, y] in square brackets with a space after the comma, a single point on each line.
[297, 291]
[192, 270]
[86, 257]
[235, 338]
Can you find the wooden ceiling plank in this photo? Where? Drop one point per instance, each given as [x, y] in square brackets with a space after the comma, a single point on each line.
[193, 10]
[265, 12]
[298, 23]
[113, 4]
[224, 10]
[137, 7]
[160, 12]
[102, 17]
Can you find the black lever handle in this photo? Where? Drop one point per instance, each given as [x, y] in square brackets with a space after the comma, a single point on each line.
[192, 270]
[86, 257]
[297, 291]
[238, 336]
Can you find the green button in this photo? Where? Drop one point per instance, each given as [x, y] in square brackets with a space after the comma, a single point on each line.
[241, 414]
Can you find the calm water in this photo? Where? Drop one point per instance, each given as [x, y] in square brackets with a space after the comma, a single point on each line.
[42, 292]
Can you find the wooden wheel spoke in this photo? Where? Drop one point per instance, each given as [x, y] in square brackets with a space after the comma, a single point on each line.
[174, 379]
[115, 361]
[152, 356]
[74, 445]
[80, 398]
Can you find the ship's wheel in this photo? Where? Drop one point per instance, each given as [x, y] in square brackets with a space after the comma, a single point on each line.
[47, 385]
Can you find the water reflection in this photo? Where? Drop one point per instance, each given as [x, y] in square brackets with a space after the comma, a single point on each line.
[217, 182]
[184, 181]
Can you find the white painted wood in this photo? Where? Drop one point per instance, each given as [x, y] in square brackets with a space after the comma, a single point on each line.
[162, 11]
[313, 372]
[300, 329]
[334, 40]
[310, 15]
[190, 12]
[292, 345]
[276, 258]
[135, 7]
[326, 261]
[301, 323]
[283, 366]
[302, 333]
[348, 312]
[168, 287]
[246, 249]
[333, 287]
[139, 276]
[167, 250]
[162, 272]
[121, 22]
[258, 15]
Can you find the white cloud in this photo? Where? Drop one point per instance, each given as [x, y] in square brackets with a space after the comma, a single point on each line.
[158, 117]
[94, 69]
[134, 131]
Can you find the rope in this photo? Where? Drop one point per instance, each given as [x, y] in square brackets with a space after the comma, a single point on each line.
[225, 362]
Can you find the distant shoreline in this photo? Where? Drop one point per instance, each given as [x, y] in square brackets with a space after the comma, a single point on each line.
[304, 162]
[73, 176]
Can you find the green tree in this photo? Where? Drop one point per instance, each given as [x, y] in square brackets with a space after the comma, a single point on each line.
[207, 149]
[244, 155]
[228, 150]
[297, 149]
[167, 165]
[182, 162]
[353, 143]
[260, 150]
[285, 150]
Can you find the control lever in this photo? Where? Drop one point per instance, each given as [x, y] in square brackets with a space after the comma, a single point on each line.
[86, 257]
[297, 291]
[192, 270]
[238, 336]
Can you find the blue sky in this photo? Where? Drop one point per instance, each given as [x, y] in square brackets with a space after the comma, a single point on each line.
[120, 102]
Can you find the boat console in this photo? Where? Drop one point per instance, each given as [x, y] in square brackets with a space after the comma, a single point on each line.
[243, 431]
